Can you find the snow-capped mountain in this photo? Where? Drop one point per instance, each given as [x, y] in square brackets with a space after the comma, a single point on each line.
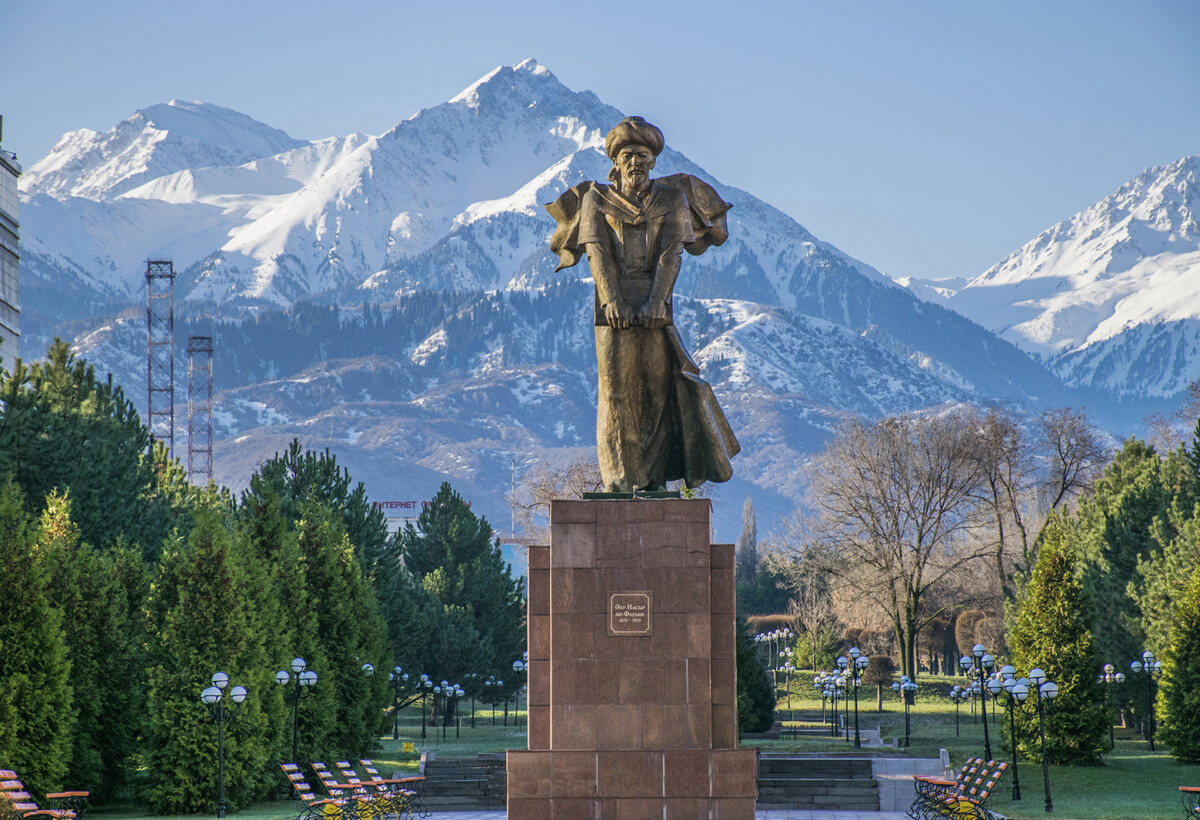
[394, 296]
[1110, 298]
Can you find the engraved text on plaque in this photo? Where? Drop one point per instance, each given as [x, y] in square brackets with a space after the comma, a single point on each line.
[629, 613]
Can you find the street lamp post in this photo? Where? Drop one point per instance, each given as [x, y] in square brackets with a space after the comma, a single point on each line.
[519, 667]
[302, 679]
[1110, 677]
[959, 695]
[858, 663]
[1012, 686]
[214, 697]
[399, 680]
[983, 664]
[425, 684]
[831, 692]
[1151, 667]
[906, 689]
[1046, 691]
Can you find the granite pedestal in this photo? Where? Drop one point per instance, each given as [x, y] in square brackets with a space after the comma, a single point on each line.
[632, 678]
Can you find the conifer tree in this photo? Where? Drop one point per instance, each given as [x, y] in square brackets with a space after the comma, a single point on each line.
[1179, 701]
[36, 710]
[1053, 633]
[63, 428]
[301, 474]
[350, 631]
[203, 619]
[755, 697]
[456, 558]
[103, 643]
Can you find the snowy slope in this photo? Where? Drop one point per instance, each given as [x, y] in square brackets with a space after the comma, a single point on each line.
[1111, 297]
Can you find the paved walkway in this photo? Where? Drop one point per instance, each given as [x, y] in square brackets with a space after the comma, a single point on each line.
[774, 814]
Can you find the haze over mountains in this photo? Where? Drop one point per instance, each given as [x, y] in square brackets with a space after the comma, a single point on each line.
[393, 297]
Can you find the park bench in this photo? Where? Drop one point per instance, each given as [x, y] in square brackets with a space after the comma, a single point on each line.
[329, 808]
[19, 802]
[1191, 802]
[963, 797]
[399, 795]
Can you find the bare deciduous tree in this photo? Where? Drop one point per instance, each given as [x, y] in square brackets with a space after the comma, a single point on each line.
[896, 501]
[1076, 453]
[546, 482]
[1007, 473]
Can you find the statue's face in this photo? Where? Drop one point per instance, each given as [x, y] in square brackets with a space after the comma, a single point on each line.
[634, 163]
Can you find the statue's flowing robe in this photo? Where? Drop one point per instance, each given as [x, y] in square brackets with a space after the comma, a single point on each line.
[656, 419]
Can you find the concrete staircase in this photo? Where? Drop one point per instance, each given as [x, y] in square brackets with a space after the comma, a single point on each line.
[816, 783]
[465, 783]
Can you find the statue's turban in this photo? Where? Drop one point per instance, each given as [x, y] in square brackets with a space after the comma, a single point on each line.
[633, 131]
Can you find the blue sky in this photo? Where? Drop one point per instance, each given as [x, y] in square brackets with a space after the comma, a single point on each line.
[927, 139]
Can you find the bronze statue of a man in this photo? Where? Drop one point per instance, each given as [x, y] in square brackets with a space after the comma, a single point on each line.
[657, 420]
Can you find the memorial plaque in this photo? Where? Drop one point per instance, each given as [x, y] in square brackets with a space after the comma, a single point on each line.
[629, 613]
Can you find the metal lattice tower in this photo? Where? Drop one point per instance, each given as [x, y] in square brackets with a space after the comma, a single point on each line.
[200, 388]
[160, 352]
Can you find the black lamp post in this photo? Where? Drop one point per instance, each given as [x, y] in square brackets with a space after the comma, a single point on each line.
[214, 697]
[399, 680]
[489, 688]
[858, 664]
[1151, 668]
[302, 678]
[1012, 686]
[1046, 691]
[983, 664]
[519, 667]
[831, 692]
[425, 684]
[906, 689]
[788, 670]
[959, 696]
[1110, 677]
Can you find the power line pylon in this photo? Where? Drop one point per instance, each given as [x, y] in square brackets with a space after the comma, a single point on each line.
[200, 388]
[160, 352]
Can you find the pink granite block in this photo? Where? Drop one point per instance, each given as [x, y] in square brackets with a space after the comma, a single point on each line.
[686, 773]
[631, 773]
[722, 591]
[724, 680]
[573, 511]
[539, 557]
[539, 592]
[574, 774]
[529, 773]
[573, 545]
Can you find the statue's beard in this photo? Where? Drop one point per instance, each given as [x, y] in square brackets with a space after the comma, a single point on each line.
[633, 181]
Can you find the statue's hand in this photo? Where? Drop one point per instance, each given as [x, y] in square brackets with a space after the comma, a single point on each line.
[618, 314]
[653, 314]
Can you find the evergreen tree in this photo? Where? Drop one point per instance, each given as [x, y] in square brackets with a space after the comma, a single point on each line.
[1053, 633]
[350, 632]
[1114, 530]
[103, 644]
[1179, 702]
[63, 429]
[755, 696]
[203, 620]
[455, 557]
[36, 713]
[276, 581]
[301, 474]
